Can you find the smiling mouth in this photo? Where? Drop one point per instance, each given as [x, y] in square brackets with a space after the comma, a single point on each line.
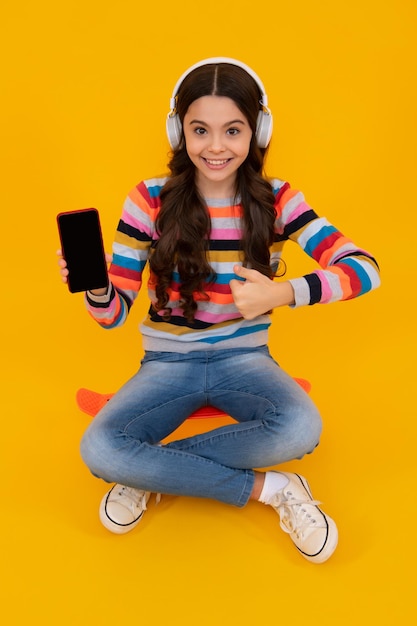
[216, 162]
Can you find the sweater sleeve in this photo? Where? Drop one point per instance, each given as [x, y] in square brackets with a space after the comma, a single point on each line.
[346, 271]
[131, 247]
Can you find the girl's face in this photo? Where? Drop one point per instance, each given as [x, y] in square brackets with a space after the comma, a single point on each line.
[217, 137]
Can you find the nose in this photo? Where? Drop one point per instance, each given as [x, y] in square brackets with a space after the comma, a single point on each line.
[216, 144]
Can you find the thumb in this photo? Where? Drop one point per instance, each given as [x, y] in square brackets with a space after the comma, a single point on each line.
[246, 273]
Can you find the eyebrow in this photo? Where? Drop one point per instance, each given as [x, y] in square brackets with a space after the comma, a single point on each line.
[201, 123]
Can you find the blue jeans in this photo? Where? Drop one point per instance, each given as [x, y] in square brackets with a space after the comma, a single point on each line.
[276, 421]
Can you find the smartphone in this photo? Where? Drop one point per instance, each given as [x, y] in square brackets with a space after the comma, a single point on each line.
[82, 249]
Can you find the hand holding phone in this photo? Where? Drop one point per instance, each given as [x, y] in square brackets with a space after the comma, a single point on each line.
[82, 249]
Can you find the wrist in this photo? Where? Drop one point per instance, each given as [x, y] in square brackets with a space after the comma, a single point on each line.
[98, 292]
[100, 295]
[285, 295]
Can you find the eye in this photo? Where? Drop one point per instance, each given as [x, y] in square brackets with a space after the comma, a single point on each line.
[200, 131]
[233, 131]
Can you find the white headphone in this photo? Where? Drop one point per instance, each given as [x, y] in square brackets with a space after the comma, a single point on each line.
[264, 123]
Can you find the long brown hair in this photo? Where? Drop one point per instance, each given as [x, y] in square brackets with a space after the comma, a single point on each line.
[183, 223]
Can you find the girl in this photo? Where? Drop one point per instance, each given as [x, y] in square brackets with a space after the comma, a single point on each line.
[212, 233]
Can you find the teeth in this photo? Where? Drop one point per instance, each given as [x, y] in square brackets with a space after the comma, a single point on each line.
[212, 162]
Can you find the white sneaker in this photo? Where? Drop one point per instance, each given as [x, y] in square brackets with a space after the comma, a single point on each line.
[313, 532]
[122, 508]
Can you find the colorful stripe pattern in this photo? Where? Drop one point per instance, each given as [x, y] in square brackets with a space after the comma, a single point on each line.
[344, 272]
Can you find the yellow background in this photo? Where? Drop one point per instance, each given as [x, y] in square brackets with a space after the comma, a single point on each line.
[85, 89]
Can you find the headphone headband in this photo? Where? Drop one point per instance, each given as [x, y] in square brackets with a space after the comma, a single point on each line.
[264, 123]
[214, 60]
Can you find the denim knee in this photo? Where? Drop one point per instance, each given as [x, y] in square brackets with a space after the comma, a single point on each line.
[307, 432]
[298, 433]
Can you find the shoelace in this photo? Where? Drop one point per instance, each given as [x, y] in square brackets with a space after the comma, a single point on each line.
[294, 515]
[134, 497]
[131, 498]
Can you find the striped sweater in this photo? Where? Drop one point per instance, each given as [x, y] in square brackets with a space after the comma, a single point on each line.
[344, 271]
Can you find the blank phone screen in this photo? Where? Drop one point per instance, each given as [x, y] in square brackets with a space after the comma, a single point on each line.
[82, 249]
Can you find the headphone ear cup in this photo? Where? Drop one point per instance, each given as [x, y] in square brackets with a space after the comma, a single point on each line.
[174, 130]
[264, 129]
